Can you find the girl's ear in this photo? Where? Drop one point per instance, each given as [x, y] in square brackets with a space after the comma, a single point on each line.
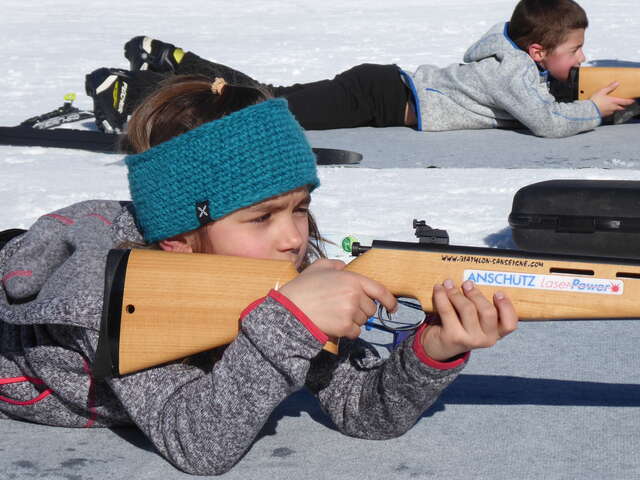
[177, 244]
[536, 52]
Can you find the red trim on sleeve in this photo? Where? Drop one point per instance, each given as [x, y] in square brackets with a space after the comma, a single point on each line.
[34, 381]
[426, 359]
[300, 315]
[251, 307]
[61, 218]
[100, 217]
[17, 273]
[91, 398]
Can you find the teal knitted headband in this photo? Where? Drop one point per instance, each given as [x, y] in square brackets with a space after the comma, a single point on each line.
[219, 167]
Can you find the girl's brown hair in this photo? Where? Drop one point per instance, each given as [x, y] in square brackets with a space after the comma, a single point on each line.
[545, 22]
[184, 102]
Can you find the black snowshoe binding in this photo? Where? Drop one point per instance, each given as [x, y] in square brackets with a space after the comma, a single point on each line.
[145, 53]
[108, 87]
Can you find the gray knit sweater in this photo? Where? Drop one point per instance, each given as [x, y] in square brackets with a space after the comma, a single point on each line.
[499, 85]
[201, 418]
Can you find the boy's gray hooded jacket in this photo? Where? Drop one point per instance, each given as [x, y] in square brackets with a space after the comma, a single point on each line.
[499, 85]
[201, 418]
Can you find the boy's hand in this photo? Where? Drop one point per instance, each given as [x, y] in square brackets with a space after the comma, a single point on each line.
[467, 321]
[609, 105]
[338, 302]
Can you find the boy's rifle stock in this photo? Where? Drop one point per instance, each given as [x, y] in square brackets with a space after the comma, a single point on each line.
[162, 306]
[583, 82]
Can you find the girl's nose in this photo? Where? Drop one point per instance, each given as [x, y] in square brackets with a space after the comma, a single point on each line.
[290, 237]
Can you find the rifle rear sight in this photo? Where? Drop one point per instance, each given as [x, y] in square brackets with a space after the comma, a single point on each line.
[424, 233]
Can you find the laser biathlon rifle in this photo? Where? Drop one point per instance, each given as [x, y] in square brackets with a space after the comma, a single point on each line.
[583, 82]
[161, 306]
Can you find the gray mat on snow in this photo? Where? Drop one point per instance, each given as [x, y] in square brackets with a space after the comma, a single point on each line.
[553, 401]
[612, 146]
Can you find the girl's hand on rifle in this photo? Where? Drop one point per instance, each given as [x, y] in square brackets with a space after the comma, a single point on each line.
[467, 320]
[337, 302]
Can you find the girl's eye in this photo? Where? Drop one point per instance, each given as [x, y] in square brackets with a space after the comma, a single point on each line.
[302, 210]
[262, 218]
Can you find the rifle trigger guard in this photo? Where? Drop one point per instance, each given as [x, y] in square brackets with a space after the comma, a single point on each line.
[384, 316]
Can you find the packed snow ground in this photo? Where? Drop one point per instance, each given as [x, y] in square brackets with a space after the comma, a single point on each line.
[553, 401]
[51, 45]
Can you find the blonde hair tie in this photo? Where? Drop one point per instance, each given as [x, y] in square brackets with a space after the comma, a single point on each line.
[217, 85]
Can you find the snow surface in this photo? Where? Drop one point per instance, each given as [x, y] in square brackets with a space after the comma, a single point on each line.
[48, 47]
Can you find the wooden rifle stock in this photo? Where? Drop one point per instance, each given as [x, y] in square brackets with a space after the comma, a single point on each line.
[592, 79]
[162, 306]
[583, 82]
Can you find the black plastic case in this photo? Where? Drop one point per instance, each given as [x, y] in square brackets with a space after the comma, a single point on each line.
[578, 217]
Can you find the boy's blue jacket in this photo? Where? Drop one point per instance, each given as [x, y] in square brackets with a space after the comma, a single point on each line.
[202, 415]
[499, 85]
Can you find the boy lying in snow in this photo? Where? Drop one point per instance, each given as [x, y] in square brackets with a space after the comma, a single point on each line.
[506, 82]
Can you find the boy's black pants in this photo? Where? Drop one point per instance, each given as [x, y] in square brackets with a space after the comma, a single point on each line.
[365, 95]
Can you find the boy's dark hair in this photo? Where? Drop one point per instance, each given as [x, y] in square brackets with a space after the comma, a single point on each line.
[546, 22]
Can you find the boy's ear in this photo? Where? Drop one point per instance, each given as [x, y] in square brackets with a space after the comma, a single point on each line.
[177, 244]
[536, 52]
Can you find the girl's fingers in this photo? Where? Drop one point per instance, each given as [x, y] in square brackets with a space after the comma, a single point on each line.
[468, 319]
[507, 316]
[325, 264]
[353, 332]
[376, 291]
[487, 313]
[465, 309]
[368, 309]
[443, 307]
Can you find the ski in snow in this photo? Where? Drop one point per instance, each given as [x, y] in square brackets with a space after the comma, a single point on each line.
[39, 131]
